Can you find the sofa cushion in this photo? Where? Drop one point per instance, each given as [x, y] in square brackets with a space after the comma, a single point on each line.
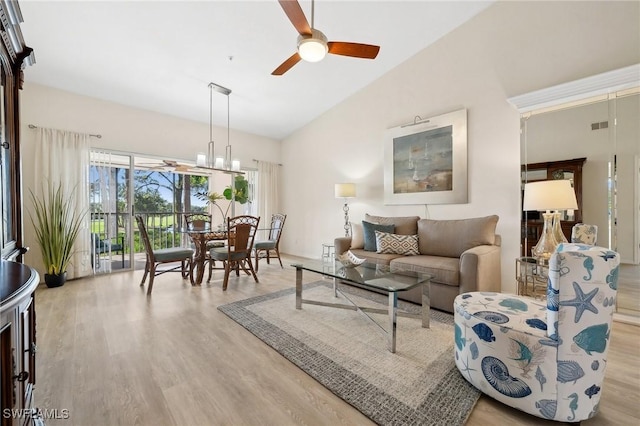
[450, 238]
[443, 270]
[404, 225]
[406, 245]
[357, 236]
[369, 230]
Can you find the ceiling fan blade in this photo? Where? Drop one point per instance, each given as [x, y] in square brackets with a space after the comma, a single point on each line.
[356, 50]
[286, 65]
[295, 14]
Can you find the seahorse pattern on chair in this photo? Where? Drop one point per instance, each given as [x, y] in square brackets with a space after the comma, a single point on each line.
[545, 359]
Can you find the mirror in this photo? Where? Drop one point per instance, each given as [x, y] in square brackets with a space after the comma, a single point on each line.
[605, 132]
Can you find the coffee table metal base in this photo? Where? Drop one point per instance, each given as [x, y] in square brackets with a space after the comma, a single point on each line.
[392, 310]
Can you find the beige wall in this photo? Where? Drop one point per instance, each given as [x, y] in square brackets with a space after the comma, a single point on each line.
[510, 49]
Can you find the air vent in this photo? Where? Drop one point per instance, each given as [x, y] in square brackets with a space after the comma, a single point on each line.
[600, 125]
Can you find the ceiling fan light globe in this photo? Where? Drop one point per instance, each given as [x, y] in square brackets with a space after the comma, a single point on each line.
[313, 48]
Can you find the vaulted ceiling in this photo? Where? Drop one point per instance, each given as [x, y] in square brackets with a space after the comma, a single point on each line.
[161, 55]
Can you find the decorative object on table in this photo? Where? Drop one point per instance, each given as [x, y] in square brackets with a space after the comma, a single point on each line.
[544, 358]
[263, 249]
[167, 255]
[345, 190]
[57, 224]
[212, 199]
[313, 44]
[418, 385]
[239, 192]
[350, 260]
[425, 161]
[546, 196]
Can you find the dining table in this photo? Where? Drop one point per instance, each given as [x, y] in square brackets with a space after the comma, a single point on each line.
[201, 238]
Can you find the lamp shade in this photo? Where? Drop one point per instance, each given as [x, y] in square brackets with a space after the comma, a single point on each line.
[345, 190]
[549, 195]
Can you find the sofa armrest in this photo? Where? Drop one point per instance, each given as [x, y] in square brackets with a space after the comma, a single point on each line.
[342, 244]
[480, 269]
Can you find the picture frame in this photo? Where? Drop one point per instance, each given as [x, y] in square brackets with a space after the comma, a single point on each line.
[425, 162]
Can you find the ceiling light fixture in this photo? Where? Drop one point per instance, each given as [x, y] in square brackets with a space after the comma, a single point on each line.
[312, 48]
[210, 160]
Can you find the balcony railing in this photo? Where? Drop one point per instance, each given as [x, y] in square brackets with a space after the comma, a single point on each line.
[162, 228]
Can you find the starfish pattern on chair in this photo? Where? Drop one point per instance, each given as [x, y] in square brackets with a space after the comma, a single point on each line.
[582, 302]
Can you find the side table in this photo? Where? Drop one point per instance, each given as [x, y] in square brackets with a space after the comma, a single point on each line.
[531, 277]
[328, 253]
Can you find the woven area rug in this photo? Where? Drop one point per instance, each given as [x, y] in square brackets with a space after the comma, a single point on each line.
[418, 385]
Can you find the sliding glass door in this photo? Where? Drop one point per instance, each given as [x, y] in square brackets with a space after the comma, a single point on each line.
[111, 211]
[160, 190]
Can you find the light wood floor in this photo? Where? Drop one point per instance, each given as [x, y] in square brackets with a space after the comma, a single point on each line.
[628, 297]
[113, 356]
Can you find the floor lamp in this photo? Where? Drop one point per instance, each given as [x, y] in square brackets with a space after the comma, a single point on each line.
[546, 196]
[346, 190]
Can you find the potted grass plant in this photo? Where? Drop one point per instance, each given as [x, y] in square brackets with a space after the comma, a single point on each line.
[57, 224]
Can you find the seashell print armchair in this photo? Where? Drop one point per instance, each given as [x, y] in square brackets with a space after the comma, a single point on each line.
[585, 234]
[547, 359]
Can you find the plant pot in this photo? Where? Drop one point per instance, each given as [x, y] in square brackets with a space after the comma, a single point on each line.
[55, 280]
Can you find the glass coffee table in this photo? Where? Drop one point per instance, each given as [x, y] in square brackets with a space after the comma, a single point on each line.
[371, 276]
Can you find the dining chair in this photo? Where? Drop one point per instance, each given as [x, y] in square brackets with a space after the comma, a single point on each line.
[198, 221]
[166, 255]
[237, 254]
[264, 249]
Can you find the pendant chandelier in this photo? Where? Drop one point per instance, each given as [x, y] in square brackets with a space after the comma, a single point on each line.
[209, 160]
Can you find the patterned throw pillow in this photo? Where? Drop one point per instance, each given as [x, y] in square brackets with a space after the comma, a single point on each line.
[370, 236]
[406, 245]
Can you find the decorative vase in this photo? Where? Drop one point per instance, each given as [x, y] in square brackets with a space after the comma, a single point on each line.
[55, 280]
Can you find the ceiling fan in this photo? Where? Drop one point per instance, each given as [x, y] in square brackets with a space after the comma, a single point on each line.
[166, 164]
[313, 44]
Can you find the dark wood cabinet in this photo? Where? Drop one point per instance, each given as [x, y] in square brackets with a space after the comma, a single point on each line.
[17, 281]
[17, 343]
[532, 224]
[14, 56]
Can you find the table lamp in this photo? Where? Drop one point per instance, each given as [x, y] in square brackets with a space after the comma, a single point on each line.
[345, 190]
[546, 196]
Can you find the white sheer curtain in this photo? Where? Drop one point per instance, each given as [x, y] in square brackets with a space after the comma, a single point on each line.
[63, 157]
[268, 191]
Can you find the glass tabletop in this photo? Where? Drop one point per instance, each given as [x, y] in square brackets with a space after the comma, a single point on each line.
[373, 275]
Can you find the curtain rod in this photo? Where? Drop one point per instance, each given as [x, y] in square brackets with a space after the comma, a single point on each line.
[31, 126]
[279, 164]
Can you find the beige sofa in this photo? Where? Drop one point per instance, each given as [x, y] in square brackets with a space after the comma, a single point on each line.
[460, 255]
